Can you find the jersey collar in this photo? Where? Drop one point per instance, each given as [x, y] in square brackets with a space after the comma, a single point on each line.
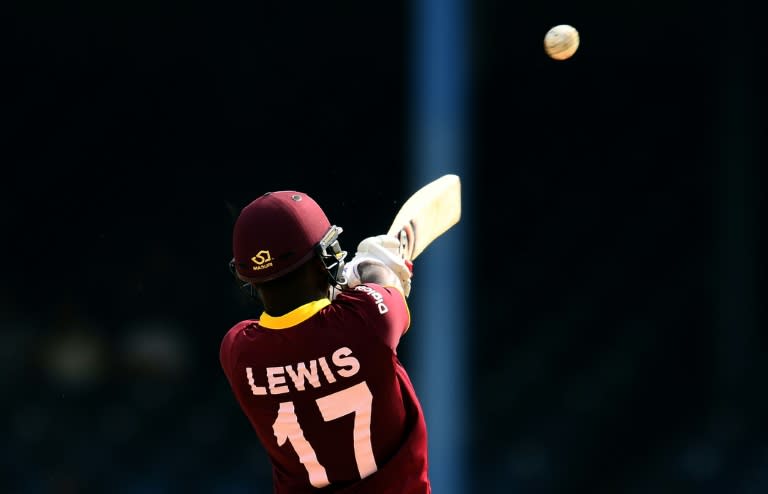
[296, 316]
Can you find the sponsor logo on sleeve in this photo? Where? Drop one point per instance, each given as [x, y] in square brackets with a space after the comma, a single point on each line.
[376, 296]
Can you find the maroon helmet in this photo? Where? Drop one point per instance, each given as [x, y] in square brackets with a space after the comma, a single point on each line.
[280, 231]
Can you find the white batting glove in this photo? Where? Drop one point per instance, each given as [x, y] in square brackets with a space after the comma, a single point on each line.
[383, 250]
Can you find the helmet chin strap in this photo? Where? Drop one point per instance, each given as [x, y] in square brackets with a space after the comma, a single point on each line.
[337, 281]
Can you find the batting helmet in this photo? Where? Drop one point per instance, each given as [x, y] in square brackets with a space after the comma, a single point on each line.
[280, 231]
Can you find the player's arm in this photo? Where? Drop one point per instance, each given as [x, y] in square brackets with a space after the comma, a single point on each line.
[373, 272]
[378, 260]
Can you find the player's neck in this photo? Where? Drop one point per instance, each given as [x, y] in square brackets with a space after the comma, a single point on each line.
[302, 286]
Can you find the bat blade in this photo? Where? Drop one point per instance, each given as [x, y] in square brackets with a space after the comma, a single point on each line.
[427, 214]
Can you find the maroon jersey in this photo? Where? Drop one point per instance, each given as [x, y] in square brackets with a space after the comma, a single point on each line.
[327, 396]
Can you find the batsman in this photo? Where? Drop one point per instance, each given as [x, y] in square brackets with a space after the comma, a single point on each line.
[317, 374]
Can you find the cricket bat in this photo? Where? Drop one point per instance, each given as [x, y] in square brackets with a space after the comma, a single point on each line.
[427, 214]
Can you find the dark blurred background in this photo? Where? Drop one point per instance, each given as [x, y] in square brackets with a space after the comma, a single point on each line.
[617, 255]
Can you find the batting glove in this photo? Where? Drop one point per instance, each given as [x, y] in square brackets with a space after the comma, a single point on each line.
[383, 250]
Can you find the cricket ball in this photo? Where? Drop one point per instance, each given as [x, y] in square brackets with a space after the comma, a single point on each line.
[561, 42]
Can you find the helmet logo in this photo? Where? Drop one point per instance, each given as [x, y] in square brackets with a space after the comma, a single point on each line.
[262, 260]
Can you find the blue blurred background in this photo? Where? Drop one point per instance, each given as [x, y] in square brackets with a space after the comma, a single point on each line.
[596, 323]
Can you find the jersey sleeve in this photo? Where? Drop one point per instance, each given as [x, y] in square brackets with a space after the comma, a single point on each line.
[383, 310]
[227, 354]
[224, 353]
